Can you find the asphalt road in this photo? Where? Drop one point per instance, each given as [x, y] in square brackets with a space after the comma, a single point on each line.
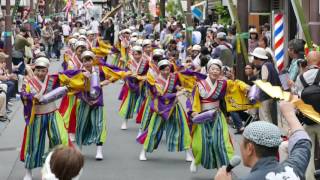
[120, 151]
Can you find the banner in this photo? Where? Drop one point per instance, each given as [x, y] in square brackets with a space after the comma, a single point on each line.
[88, 4]
[199, 10]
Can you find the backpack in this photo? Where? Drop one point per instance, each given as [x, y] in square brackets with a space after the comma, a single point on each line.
[310, 95]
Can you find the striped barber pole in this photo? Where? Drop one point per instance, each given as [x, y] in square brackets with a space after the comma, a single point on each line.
[279, 39]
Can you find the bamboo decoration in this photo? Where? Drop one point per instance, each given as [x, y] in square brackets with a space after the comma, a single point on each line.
[298, 11]
[240, 41]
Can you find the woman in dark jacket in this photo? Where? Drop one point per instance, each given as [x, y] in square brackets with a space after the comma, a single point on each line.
[109, 31]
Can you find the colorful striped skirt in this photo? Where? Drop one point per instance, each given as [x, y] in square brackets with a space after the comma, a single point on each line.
[33, 144]
[146, 114]
[129, 104]
[91, 124]
[177, 132]
[115, 60]
[67, 110]
[211, 143]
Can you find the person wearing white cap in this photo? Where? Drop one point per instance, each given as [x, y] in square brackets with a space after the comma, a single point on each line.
[75, 35]
[145, 112]
[268, 73]
[147, 48]
[91, 123]
[83, 31]
[211, 142]
[92, 41]
[82, 38]
[133, 41]
[126, 31]
[41, 117]
[122, 47]
[259, 149]
[196, 55]
[75, 62]
[71, 43]
[139, 42]
[68, 103]
[135, 96]
[168, 116]
[135, 34]
[90, 115]
[69, 52]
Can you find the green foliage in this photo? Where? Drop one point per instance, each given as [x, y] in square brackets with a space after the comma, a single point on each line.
[223, 13]
[173, 10]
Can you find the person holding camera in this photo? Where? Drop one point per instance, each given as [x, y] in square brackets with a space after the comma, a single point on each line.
[307, 86]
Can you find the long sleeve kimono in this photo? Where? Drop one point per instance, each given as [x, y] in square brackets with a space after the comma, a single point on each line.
[145, 112]
[168, 115]
[91, 118]
[211, 142]
[121, 51]
[236, 96]
[100, 48]
[41, 119]
[133, 92]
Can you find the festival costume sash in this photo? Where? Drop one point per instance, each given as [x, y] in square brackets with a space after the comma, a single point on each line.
[210, 93]
[166, 98]
[76, 63]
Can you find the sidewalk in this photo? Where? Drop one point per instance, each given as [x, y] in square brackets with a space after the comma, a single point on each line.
[10, 140]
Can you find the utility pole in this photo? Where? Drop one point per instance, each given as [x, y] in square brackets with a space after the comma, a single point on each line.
[7, 36]
[189, 24]
[31, 17]
[162, 13]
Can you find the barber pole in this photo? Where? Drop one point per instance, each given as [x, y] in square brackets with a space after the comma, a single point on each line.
[279, 39]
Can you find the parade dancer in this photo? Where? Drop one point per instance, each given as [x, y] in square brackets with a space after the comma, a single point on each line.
[133, 91]
[122, 49]
[68, 106]
[68, 52]
[168, 114]
[41, 117]
[92, 41]
[144, 114]
[211, 143]
[98, 46]
[91, 120]
[147, 49]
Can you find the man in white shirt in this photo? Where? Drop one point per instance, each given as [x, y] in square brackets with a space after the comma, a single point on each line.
[65, 30]
[94, 25]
